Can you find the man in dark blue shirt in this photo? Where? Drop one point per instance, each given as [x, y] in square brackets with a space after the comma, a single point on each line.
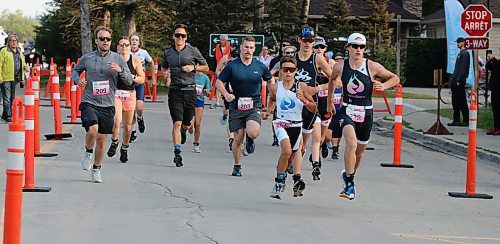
[458, 81]
[245, 76]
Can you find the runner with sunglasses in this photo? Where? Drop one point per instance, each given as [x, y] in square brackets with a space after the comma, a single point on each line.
[125, 101]
[289, 98]
[180, 64]
[309, 68]
[356, 115]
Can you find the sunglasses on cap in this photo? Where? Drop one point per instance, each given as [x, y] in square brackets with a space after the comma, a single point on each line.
[356, 46]
[288, 69]
[180, 35]
[104, 38]
[307, 40]
[320, 46]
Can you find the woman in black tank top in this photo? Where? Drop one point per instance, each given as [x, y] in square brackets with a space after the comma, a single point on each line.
[125, 100]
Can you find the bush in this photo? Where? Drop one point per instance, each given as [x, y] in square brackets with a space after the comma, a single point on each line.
[422, 58]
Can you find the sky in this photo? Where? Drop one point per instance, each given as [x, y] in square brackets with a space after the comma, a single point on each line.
[30, 8]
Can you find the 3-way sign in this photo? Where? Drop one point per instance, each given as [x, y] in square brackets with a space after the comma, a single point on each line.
[476, 21]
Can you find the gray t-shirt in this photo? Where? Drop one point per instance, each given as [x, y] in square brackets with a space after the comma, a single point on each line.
[101, 80]
[174, 60]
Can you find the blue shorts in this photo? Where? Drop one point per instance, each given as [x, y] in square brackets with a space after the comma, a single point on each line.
[199, 104]
[139, 92]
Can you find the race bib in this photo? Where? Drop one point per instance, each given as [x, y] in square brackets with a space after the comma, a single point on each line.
[100, 88]
[123, 95]
[356, 113]
[323, 93]
[245, 103]
[199, 90]
[336, 98]
[277, 124]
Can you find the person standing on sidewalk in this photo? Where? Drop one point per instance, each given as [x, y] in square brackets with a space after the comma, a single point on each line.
[12, 66]
[458, 81]
[103, 68]
[493, 65]
[180, 64]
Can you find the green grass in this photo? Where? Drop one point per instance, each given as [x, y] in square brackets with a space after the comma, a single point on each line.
[484, 117]
[406, 95]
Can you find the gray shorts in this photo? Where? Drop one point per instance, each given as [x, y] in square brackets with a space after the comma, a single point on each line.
[239, 118]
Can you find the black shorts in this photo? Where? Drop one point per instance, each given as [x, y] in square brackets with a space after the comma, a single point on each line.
[362, 129]
[103, 117]
[238, 118]
[308, 120]
[181, 104]
[294, 134]
[335, 126]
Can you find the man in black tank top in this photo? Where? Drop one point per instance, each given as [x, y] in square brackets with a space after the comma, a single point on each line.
[308, 66]
[356, 116]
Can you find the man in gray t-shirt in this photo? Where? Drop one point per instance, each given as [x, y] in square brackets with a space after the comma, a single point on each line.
[102, 69]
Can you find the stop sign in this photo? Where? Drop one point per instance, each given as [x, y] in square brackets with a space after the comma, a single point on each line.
[476, 20]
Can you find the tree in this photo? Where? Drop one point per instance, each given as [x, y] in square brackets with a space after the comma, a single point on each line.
[379, 33]
[304, 11]
[16, 23]
[85, 26]
[284, 18]
[258, 15]
[338, 23]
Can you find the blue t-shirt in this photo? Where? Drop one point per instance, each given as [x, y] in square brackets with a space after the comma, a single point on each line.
[246, 80]
[202, 83]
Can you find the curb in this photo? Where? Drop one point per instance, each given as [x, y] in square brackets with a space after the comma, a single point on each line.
[442, 144]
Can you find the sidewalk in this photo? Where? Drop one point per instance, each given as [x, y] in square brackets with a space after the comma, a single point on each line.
[488, 147]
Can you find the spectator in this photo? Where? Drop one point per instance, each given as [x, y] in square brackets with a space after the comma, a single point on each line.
[264, 56]
[493, 65]
[32, 57]
[458, 81]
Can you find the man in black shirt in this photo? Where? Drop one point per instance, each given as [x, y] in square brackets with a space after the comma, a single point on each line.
[458, 81]
[493, 65]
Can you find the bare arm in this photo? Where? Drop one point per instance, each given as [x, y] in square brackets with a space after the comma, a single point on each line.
[378, 70]
[220, 86]
[140, 77]
[305, 96]
[272, 102]
[332, 83]
[221, 65]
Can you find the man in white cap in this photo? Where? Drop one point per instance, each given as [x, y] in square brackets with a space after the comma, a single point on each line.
[356, 115]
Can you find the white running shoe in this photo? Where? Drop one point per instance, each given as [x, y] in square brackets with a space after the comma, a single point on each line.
[96, 176]
[196, 149]
[86, 162]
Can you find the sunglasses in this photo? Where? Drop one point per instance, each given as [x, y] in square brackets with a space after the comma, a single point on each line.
[123, 44]
[320, 46]
[180, 35]
[289, 53]
[288, 69]
[104, 38]
[356, 46]
[308, 40]
[285, 44]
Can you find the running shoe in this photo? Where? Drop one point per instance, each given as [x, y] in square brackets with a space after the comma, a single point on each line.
[348, 192]
[324, 150]
[343, 175]
[335, 152]
[124, 154]
[223, 120]
[96, 176]
[249, 145]
[316, 171]
[275, 141]
[86, 162]
[112, 149]
[183, 135]
[140, 122]
[298, 187]
[196, 148]
[133, 136]
[243, 151]
[231, 144]
[289, 170]
[278, 188]
[178, 158]
[236, 172]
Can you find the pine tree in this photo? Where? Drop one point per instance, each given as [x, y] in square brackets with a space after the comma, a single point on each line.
[284, 18]
[379, 33]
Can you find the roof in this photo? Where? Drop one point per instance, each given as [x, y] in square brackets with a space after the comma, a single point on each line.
[439, 14]
[360, 8]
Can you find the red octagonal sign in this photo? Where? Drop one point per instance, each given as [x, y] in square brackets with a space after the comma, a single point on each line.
[476, 20]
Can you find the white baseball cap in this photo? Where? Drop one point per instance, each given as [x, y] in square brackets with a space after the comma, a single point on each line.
[353, 39]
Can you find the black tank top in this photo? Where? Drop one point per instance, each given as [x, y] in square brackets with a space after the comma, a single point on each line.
[357, 84]
[307, 71]
[323, 79]
[121, 85]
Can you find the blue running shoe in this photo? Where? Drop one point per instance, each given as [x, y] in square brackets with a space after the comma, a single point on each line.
[344, 177]
[236, 172]
[223, 120]
[348, 192]
[279, 187]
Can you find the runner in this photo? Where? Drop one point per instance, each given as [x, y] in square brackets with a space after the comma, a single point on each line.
[203, 87]
[245, 76]
[102, 69]
[125, 101]
[309, 68]
[292, 97]
[287, 51]
[235, 53]
[144, 56]
[356, 116]
[180, 64]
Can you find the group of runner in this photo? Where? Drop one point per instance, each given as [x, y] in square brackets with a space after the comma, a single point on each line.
[310, 96]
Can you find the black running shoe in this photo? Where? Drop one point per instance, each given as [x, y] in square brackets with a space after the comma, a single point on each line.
[250, 145]
[324, 150]
[335, 152]
[178, 158]
[236, 171]
[142, 126]
[316, 171]
[112, 149]
[298, 187]
[124, 154]
[133, 136]
[231, 144]
[183, 135]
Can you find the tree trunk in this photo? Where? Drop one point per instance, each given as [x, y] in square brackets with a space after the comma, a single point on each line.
[107, 17]
[258, 15]
[85, 26]
[129, 20]
[304, 11]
